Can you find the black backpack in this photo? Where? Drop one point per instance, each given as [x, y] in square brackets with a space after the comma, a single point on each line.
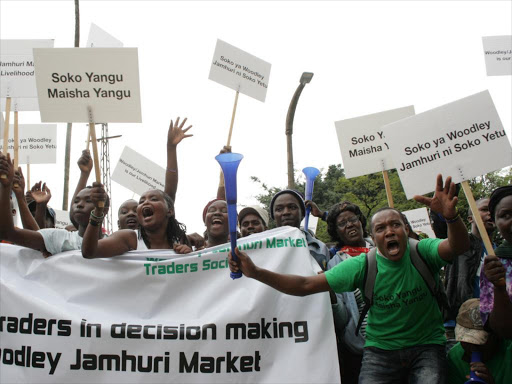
[370, 274]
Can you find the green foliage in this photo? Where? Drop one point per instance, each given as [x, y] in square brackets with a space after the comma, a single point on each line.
[369, 193]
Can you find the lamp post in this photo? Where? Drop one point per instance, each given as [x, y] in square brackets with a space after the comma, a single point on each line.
[304, 79]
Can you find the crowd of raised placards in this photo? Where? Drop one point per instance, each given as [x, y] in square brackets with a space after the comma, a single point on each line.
[406, 308]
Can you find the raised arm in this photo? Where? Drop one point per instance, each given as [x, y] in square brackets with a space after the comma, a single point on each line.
[85, 165]
[41, 195]
[118, 243]
[444, 202]
[23, 237]
[27, 220]
[174, 136]
[290, 284]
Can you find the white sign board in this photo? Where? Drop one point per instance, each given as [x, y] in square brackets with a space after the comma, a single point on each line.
[69, 80]
[138, 173]
[463, 139]
[98, 38]
[157, 317]
[62, 219]
[21, 104]
[37, 143]
[239, 70]
[498, 55]
[420, 221]
[362, 143]
[17, 67]
[312, 224]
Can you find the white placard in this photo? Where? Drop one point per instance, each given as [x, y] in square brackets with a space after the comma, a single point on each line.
[38, 143]
[62, 219]
[498, 55]
[463, 139]
[362, 143]
[420, 221]
[69, 80]
[239, 70]
[156, 317]
[21, 104]
[138, 173]
[17, 67]
[312, 224]
[98, 38]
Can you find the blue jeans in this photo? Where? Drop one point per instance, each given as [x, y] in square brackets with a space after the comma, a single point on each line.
[421, 364]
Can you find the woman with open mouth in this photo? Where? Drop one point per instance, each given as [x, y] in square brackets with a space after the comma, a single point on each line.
[496, 281]
[346, 226]
[158, 229]
[215, 217]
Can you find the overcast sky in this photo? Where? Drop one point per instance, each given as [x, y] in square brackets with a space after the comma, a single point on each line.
[367, 57]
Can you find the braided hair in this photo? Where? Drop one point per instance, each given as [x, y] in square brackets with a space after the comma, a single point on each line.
[333, 214]
[176, 231]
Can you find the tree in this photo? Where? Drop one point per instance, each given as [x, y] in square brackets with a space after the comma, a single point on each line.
[369, 194]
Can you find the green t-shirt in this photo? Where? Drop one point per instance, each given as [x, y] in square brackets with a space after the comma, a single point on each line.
[404, 312]
[500, 366]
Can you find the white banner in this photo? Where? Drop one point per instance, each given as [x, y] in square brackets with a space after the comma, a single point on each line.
[70, 80]
[498, 55]
[420, 221]
[463, 139]
[100, 38]
[239, 70]
[17, 67]
[155, 317]
[37, 143]
[138, 173]
[362, 143]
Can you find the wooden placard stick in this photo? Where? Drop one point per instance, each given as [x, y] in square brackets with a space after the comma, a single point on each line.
[477, 218]
[92, 133]
[233, 118]
[387, 185]
[28, 174]
[16, 141]
[88, 139]
[479, 223]
[6, 128]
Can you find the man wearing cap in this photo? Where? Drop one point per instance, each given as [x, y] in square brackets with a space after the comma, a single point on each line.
[288, 208]
[496, 353]
[252, 219]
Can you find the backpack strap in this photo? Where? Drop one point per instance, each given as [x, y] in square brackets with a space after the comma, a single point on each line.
[370, 274]
[421, 265]
[437, 290]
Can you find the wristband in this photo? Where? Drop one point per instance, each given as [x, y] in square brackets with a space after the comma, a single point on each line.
[453, 219]
[94, 223]
[324, 216]
[97, 218]
[171, 170]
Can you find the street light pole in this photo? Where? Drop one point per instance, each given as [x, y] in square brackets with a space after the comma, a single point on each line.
[304, 79]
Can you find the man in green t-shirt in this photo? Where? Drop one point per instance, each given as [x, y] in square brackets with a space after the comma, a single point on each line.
[404, 333]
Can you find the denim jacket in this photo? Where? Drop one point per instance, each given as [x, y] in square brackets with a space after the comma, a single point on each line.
[346, 313]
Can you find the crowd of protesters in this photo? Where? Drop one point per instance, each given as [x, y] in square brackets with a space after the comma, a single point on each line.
[393, 311]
